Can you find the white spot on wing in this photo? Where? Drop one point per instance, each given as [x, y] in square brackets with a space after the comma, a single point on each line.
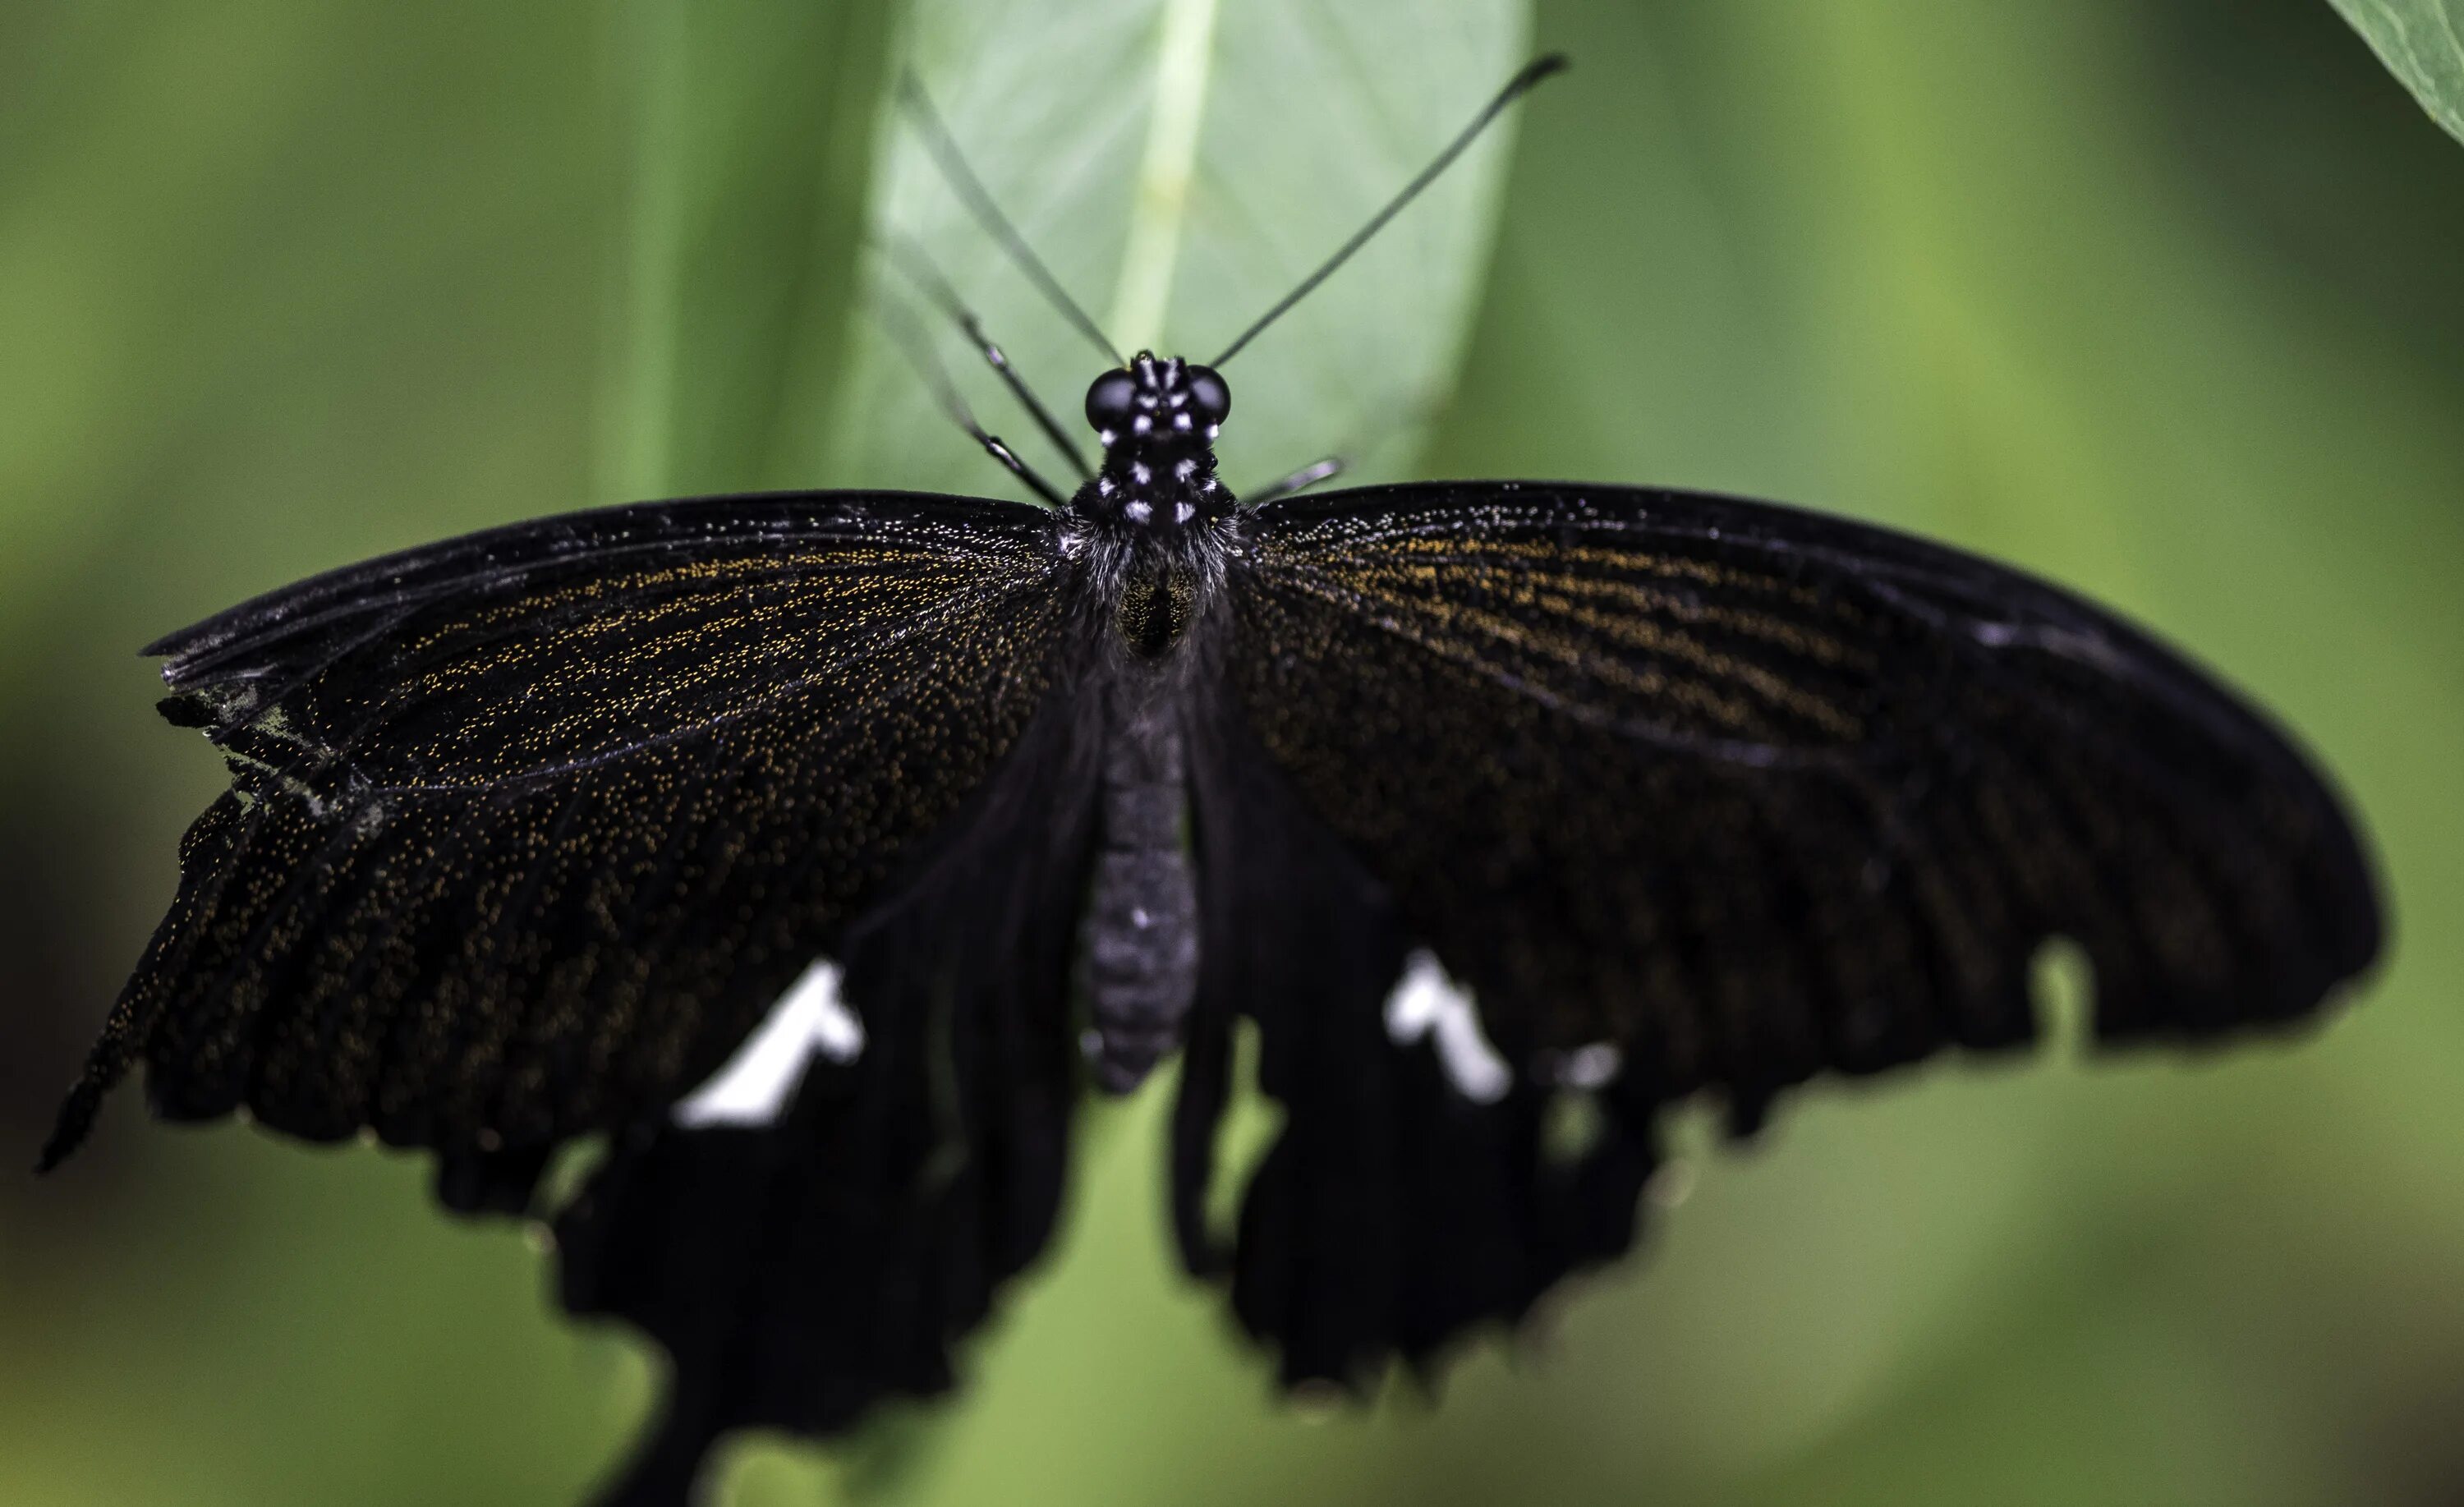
[1589, 1068]
[1426, 1002]
[753, 1087]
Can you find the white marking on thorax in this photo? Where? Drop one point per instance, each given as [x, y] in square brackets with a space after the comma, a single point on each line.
[756, 1083]
[1427, 1004]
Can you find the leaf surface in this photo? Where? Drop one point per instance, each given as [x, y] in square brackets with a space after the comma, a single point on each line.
[2422, 43]
[1181, 165]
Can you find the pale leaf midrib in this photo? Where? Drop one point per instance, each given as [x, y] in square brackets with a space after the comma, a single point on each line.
[1159, 201]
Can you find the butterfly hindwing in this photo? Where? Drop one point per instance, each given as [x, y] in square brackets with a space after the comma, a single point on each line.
[528, 829]
[1392, 1213]
[799, 1272]
[1749, 794]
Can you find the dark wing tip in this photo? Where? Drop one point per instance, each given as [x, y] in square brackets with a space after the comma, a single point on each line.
[2348, 891]
[2361, 923]
[184, 712]
[169, 644]
[69, 1133]
[182, 647]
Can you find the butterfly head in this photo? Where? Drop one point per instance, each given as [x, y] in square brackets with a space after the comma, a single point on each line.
[1158, 419]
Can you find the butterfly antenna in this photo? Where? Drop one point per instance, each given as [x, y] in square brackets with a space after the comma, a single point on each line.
[971, 191]
[908, 255]
[1521, 84]
[918, 347]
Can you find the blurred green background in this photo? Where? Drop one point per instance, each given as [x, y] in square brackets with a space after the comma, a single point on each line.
[2159, 297]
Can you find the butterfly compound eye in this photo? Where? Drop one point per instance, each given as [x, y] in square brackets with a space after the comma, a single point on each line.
[1208, 395]
[1108, 401]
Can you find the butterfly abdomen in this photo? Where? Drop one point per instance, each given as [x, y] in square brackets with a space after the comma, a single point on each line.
[1139, 942]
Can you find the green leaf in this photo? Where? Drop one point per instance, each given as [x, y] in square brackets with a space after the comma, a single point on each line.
[1181, 165]
[2422, 43]
[753, 132]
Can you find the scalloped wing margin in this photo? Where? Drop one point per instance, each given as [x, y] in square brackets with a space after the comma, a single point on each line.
[527, 829]
[1752, 794]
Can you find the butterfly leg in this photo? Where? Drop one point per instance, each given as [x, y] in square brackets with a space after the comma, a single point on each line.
[909, 258]
[910, 339]
[994, 447]
[1307, 476]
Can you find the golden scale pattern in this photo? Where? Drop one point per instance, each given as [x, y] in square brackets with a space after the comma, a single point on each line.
[1747, 791]
[528, 829]
[1749, 813]
[547, 863]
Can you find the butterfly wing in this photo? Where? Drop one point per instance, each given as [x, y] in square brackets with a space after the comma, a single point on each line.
[1753, 793]
[1392, 1211]
[1742, 794]
[528, 829]
[800, 1271]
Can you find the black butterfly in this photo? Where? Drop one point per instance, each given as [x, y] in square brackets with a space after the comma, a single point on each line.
[815, 847]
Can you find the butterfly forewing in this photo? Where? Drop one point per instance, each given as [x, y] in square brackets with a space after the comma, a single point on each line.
[528, 829]
[1748, 793]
